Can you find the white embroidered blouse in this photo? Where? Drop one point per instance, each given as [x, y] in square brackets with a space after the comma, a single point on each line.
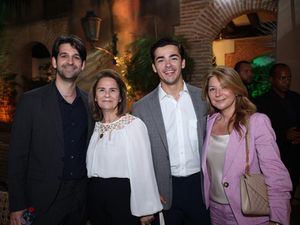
[122, 149]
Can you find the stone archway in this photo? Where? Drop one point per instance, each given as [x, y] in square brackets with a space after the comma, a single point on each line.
[21, 39]
[201, 21]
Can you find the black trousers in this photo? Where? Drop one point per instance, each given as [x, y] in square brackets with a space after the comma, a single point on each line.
[187, 204]
[109, 202]
[69, 206]
[291, 158]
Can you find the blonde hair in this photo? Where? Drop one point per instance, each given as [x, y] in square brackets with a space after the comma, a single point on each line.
[230, 79]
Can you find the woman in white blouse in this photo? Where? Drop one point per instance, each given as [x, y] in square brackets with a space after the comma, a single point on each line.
[122, 187]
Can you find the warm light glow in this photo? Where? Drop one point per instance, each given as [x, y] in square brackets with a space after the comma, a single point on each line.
[221, 48]
[126, 13]
[6, 103]
[122, 68]
[5, 110]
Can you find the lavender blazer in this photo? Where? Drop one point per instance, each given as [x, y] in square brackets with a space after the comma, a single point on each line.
[264, 152]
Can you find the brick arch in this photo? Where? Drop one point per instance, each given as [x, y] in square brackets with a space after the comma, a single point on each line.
[218, 14]
[202, 20]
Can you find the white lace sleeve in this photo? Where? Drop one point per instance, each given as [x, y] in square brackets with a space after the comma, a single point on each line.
[145, 198]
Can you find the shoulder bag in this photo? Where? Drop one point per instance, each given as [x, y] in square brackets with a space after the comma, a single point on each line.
[254, 197]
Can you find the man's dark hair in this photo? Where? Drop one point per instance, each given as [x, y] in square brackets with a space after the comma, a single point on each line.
[276, 66]
[238, 65]
[74, 41]
[166, 41]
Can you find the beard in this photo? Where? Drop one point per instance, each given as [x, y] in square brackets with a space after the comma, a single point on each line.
[66, 75]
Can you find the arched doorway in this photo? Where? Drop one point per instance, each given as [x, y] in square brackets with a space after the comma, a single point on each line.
[202, 21]
[36, 66]
[40, 61]
[250, 37]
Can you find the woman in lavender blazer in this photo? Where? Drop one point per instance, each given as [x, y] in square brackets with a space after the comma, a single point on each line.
[224, 153]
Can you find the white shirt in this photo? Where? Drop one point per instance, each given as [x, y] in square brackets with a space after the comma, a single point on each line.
[124, 151]
[181, 129]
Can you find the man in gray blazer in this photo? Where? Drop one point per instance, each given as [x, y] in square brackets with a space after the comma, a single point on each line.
[49, 139]
[174, 114]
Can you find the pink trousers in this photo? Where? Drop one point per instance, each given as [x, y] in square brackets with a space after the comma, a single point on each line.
[221, 214]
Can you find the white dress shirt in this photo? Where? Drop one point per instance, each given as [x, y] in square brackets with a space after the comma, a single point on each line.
[181, 129]
[122, 149]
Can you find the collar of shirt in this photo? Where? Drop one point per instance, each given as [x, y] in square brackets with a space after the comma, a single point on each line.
[162, 94]
[61, 98]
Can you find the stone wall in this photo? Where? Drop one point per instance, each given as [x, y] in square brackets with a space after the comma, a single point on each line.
[20, 39]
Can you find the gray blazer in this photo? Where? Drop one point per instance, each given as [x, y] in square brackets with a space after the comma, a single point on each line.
[148, 109]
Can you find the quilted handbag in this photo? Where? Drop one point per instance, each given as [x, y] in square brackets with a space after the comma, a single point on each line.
[254, 196]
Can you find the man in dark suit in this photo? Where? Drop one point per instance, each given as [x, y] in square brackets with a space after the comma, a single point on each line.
[49, 139]
[283, 107]
[174, 114]
[244, 69]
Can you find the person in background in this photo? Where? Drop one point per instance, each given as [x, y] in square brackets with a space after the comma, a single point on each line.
[244, 69]
[232, 119]
[49, 138]
[174, 114]
[122, 188]
[283, 107]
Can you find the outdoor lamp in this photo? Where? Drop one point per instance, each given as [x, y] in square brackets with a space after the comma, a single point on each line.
[91, 27]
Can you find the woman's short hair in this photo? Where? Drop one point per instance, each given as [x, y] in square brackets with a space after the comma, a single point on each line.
[230, 79]
[122, 105]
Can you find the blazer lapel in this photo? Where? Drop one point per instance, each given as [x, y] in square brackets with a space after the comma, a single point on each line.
[235, 144]
[52, 109]
[90, 121]
[210, 123]
[199, 111]
[154, 107]
[196, 103]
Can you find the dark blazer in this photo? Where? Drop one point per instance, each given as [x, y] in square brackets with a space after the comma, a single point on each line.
[36, 149]
[148, 109]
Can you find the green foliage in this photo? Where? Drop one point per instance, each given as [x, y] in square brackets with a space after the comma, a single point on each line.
[261, 66]
[139, 74]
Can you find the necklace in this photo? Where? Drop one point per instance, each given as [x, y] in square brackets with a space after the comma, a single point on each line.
[115, 125]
